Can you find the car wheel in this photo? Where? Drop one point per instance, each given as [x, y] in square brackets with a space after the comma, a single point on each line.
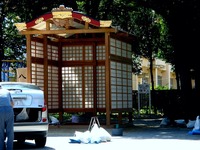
[21, 141]
[41, 141]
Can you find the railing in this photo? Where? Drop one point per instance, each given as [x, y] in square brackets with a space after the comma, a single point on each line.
[8, 72]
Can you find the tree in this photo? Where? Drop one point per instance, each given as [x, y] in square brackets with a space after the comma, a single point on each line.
[184, 30]
[12, 45]
[151, 31]
[137, 61]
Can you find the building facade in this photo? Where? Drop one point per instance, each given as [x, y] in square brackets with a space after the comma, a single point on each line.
[163, 75]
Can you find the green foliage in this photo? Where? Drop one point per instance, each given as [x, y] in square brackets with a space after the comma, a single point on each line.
[14, 44]
[66, 116]
[120, 14]
[81, 6]
[162, 88]
[136, 68]
[159, 87]
[150, 31]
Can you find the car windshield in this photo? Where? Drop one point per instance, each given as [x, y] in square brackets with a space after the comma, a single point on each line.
[20, 86]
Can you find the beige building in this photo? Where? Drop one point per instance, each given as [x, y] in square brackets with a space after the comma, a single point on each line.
[162, 73]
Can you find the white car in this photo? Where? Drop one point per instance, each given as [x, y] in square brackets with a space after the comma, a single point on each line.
[30, 112]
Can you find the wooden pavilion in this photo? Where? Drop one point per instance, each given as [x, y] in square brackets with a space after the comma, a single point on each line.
[83, 65]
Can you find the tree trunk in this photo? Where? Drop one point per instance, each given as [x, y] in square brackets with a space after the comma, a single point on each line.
[153, 100]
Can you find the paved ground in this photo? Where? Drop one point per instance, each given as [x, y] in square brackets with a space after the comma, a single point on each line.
[142, 135]
[141, 129]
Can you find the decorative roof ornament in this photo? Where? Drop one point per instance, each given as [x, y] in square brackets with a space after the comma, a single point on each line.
[21, 26]
[62, 12]
[62, 16]
[106, 23]
[62, 8]
[86, 19]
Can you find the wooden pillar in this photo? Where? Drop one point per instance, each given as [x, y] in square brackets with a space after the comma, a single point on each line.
[45, 68]
[28, 58]
[107, 66]
[60, 99]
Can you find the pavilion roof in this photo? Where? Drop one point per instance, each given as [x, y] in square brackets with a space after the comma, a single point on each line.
[64, 22]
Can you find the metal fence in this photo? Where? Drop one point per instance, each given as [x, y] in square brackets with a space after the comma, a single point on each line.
[8, 72]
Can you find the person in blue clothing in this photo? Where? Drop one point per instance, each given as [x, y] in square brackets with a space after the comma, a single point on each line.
[6, 120]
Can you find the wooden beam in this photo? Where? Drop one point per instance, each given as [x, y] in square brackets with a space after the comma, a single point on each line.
[70, 31]
[47, 25]
[86, 25]
[28, 59]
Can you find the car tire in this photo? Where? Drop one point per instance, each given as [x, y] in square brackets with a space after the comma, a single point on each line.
[40, 142]
[21, 141]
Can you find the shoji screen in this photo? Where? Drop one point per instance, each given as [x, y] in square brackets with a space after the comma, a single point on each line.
[37, 68]
[121, 74]
[53, 82]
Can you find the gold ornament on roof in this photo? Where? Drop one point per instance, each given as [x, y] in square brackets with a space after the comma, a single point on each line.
[20, 26]
[62, 12]
[86, 19]
[62, 15]
[39, 20]
[62, 8]
[105, 23]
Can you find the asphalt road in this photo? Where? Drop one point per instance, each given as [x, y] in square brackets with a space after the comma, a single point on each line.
[142, 135]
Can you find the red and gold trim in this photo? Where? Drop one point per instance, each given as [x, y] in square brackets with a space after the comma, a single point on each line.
[39, 20]
[62, 14]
